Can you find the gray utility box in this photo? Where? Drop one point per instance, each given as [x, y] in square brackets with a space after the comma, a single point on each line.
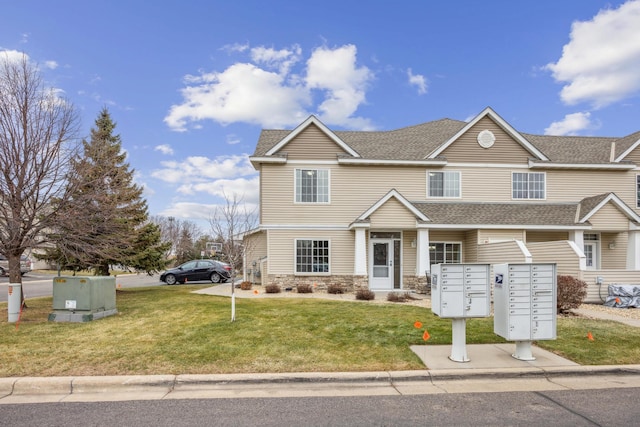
[525, 298]
[461, 290]
[80, 298]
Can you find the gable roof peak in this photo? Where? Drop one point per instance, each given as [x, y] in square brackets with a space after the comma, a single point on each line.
[312, 120]
[489, 112]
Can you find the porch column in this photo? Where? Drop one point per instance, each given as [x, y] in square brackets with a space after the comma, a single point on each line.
[633, 249]
[577, 237]
[360, 264]
[422, 253]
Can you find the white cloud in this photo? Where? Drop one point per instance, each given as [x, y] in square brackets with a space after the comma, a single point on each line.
[247, 189]
[164, 149]
[199, 169]
[571, 124]
[282, 59]
[241, 93]
[345, 85]
[600, 63]
[13, 55]
[417, 80]
[233, 139]
[268, 92]
[52, 65]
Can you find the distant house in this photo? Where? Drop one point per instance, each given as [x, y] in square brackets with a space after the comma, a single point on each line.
[377, 209]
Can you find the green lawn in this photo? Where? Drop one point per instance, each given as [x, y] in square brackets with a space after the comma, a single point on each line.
[169, 330]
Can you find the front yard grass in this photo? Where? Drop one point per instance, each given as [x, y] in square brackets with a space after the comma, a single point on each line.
[169, 330]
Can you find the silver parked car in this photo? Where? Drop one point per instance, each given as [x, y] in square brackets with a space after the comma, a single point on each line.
[25, 265]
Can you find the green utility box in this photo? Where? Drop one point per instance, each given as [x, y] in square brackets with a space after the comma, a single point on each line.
[81, 299]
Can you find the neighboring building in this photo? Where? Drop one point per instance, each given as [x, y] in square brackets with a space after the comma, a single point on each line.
[377, 209]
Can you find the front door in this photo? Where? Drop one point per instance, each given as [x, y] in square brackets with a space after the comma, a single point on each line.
[385, 264]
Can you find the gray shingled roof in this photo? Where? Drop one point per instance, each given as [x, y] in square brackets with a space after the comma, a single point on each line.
[520, 214]
[415, 142]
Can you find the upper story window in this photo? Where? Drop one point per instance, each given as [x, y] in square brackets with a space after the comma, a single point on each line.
[443, 184]
[638, 191]
[312, 186]
[528, 185]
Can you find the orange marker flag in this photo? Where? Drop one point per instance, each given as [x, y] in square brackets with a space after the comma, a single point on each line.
[426, 335]
[590, 336]
[417, 324]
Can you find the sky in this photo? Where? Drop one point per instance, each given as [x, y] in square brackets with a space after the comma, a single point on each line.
[191, 83]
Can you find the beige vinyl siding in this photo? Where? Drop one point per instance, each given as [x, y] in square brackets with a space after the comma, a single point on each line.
[312, 144]
[282, 249]
[559, 252]
[634, 156]
[609, 218]
[505, 149]
[409, 253]
[546, 236]
[470, 253]
[596, 294]
[255, 247]
[616, 258]
[354, 189]
[566, 185]
[500, 252]
[392, 214]
[488, 236]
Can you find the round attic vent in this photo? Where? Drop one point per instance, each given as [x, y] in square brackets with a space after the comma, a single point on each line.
[486, 138]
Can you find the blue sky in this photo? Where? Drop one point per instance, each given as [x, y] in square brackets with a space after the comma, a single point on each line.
[190, 84]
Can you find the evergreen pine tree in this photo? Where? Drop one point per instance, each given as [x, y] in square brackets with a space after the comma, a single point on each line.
[107, 219]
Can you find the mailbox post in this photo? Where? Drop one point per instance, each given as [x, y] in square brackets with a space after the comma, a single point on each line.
[459, 292]
[525, 308]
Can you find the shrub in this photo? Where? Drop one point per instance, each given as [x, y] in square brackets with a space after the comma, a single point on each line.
[335, 288]
[272, 289]
[304, 288]
[246, 286]
[397, 297]
[365, 295]
[571, 293]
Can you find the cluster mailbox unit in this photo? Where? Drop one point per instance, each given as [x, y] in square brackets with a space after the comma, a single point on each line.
[525, 304]
[459, 292]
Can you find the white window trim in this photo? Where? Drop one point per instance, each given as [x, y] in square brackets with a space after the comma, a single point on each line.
[295, 186]
[637, 198]
[445, 197]
[295, 256]
[544, 174]
[451, 243]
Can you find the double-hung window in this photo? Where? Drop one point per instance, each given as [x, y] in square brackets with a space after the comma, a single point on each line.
[443, 184]
[312, 256]
[638, 191]
[312, 186]
[445, 253]
[528, 185]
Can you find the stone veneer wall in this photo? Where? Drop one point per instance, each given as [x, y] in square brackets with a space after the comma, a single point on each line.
[418, 284]
[320, 283]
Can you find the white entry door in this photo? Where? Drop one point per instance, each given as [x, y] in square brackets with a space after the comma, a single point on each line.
[591, 255]
[381, 275]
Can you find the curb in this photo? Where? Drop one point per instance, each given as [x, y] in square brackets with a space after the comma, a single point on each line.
[29, 386]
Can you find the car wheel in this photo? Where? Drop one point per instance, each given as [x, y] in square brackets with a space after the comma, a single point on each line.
[215, 277]
[170, 279]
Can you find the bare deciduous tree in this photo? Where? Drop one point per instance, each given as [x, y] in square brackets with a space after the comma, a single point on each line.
[229, 224]
[38, 132]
